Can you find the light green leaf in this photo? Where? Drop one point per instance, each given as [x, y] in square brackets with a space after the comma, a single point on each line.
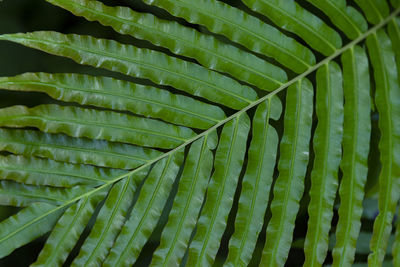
[256, 183]
[220, 193]
[346, 18]
[37, 171]
[187, 203]
[181, 40]
[146, 212]
[324, 177]
[375, 10]
[75, 150]
[27, 225]
[118, 95]
[293, 18]
[354, 163]
[22, 195]
[105, 125]
[140, 62]
[67, 231]
[289, 186]
[109, 222]
[394, 34]
[387, 99]
[242, 28]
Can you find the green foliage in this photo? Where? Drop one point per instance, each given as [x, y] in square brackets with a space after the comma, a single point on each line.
[185, 158]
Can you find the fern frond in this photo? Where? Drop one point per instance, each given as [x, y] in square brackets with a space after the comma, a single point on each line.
[220, 192]
[63, 148]
[346, 18]
[256, 183]
[67, 231]
[121, 166]
[118, 95]
[22, 195]
[181, 40]
[37, 171]
[289, 186]
[146, 212]
[104, 125]
[292, 17]
[324, 177]
[27, 225]
[109, 222]
[139, 62]
[354, 163]
[242, 28]
[187, 203]
[387, 99]
[375, 10]
[394, 34]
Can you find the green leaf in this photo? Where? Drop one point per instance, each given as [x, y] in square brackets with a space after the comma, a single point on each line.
[187, 203]
[109, 222]
[37, 171]
[75, 150]
[105, 125]
[354, 163]
[118, 95]
[27, 225]
[146, 212]
[394, 34]
[67, 231]
[256, 183]
[140, 62]
[346, 18]
[387, 99]
[242, 28]
[289, 186]
[181, 40]
[220, 193]
[22, 195]
[375, 10]
[363, 241]
[293, 18]
[324, 176]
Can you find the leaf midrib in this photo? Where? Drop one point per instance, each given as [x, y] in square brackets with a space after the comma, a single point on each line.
[176, 37]
[233, 116]
[188, 202]
[307, 27]
[235, 25]
[221, 193]
[97, 124]
[352, 177]
[109, 153]
[146, 211]
[388, 142]
[110, 220]
[103, 92]
[267, 128]
[137, 62]
[290, 177]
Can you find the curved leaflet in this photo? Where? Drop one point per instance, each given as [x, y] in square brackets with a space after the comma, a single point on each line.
[292, 166]
[324, 176]
[142, 63]
[181, 40]
[104, 125]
